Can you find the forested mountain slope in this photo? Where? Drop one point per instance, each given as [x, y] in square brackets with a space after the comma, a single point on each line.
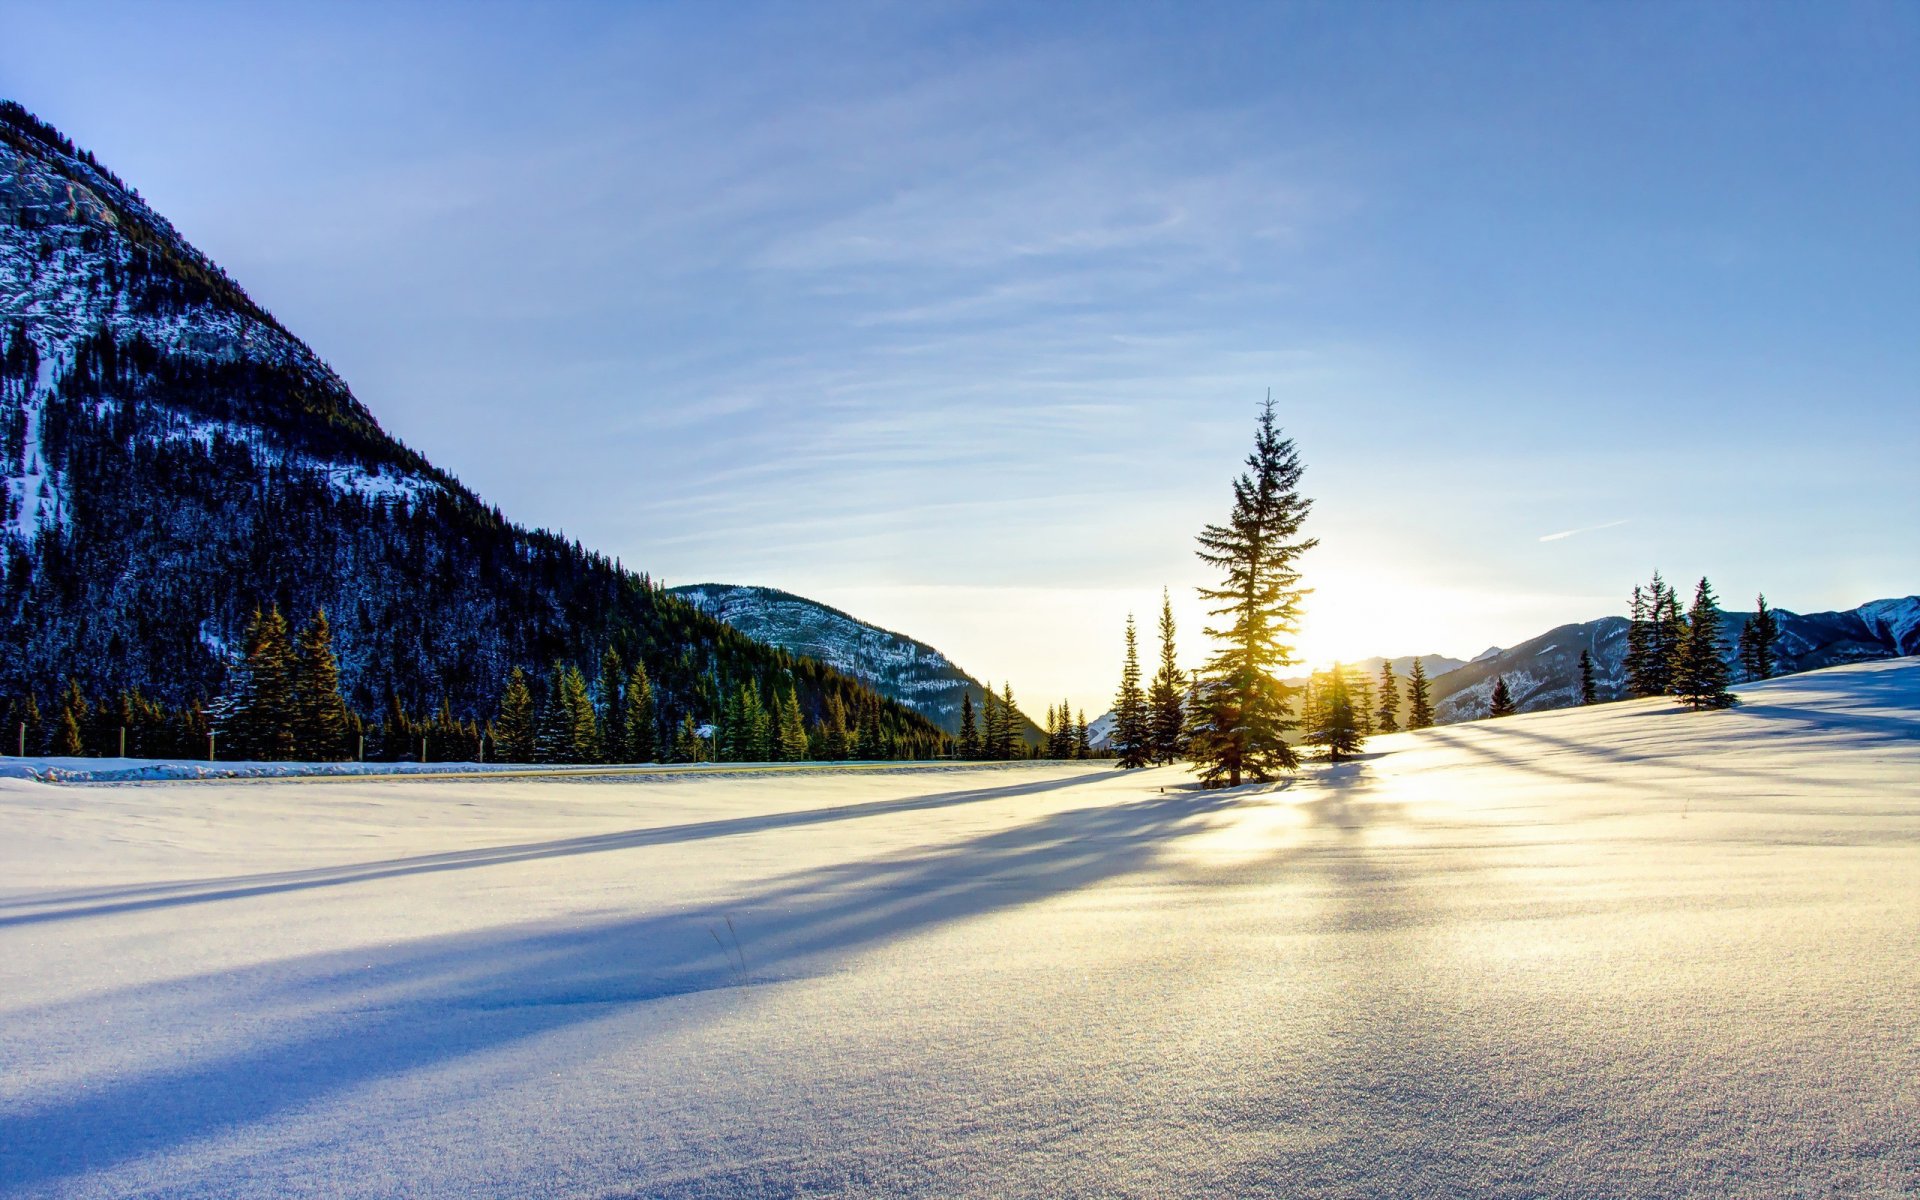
[895, 665]
[174, 458]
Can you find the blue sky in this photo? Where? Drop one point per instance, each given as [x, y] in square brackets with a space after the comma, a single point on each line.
[958, 316]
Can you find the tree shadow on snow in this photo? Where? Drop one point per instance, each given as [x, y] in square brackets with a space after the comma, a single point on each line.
[62, 906]
[352, 1018]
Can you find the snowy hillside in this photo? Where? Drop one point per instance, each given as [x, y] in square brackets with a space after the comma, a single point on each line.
[1619, 951]
[893, 664]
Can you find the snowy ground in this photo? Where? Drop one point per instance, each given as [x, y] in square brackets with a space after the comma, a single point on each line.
[1619, 952]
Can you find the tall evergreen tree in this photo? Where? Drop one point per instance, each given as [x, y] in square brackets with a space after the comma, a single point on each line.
[1241, 712]
[1336, 727]
[258, 712]
[71, 722]
[1132, 726]
[1664, 637]
[513, 728]
[1501, 704]
[1700, 675]
[1589, 687]
[321, 730]
[992, 724]
[1009, 732]
[1389, 714]
[1360, 694]
[639, 738]
[969, 744]
[793, 730]
[1419, 697]
[1166, 697]
[688, 745]
[1082, 739]
[838, 746]
[609, 711]
[1757, 638]
[1639, 642]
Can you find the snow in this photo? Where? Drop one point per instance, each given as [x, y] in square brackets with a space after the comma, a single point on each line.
[37, 502]
[1625, 950]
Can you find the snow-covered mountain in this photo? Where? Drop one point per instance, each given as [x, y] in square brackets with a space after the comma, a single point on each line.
[1544, 672]
[173, 458]
[893, 664]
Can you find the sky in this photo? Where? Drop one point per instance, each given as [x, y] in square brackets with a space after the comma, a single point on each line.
[958, 316]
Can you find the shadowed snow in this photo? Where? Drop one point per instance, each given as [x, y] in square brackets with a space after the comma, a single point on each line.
[1627, 950]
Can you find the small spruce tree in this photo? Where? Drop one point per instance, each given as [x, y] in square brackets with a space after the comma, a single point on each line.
[969, 744]
[1589, 687]
[1388, 717]
[1132, 728]
[1501, 704]
[1419, 697]
[1700, 674]
[1337, 728]
[321, 731]
[513, 726]
[1757, 638]
[1166, 697]
[638, 737]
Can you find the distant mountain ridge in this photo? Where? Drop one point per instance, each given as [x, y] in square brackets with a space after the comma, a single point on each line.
[893, 664]
[1544, 672]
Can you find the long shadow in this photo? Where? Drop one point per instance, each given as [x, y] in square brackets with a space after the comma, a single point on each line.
[66, 906]
[353, 1018]
[1879, 728]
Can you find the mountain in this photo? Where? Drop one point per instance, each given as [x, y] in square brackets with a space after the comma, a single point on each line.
[896, 666]
[1544, 672]
[175, 458]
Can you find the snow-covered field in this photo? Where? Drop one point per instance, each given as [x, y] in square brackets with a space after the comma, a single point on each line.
[1627, 951]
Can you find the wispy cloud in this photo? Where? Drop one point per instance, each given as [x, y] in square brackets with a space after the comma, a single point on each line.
[1567, 533]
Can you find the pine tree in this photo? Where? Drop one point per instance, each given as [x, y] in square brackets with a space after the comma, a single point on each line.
[1337, 727]
[513, 727]
[870, 748]
[1589, 689]
[1009, 732]
[1419, 697]
[637, 717]
[687, 742]
[1082, 739]
[1700, 675]
[1311, 693]
[1639, 639]
[1757, 638]
[321, 730]
[838, 747]
[793, 730]
[1242, 718]
[1389, 714]
[992, 722]
[1664, 637]
[259, 713]
[1360, 694]
[969, 745]
[610, 712]
[70, 724]
[1501, 704]
[1166, 699]
[1132, 728]
[568, 729]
